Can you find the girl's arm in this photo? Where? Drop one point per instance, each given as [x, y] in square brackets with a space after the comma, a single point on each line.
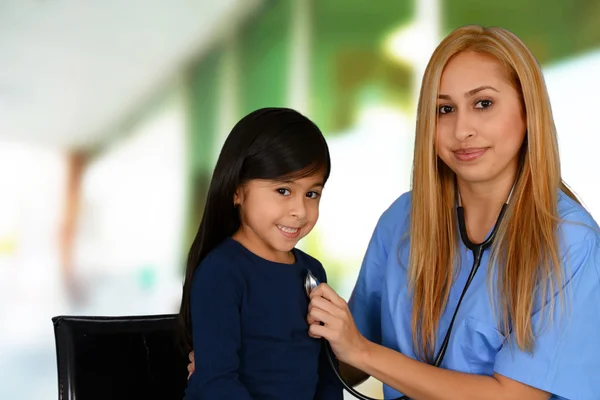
[328, 386]
[413, 378]
[215, 304]
[351, 375]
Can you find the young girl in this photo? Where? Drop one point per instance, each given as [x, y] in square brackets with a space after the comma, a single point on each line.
[244, 306]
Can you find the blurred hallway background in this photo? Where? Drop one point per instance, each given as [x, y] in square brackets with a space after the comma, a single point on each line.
[112, 114]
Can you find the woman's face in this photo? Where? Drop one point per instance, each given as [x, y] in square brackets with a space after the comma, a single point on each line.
[481, 124]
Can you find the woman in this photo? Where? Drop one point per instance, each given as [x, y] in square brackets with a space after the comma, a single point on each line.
[486, 166]
[486, 150]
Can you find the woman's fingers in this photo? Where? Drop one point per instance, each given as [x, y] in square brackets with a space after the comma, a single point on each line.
[325, 305]
[329, 317]
[327, 313]
[319, 315]
[319, 331]
[313, 335]
[325, 291]
[322, 310]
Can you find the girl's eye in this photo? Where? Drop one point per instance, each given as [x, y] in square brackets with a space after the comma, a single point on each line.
[284, 192]
[444, 109]
[483, 104]
[312, 195]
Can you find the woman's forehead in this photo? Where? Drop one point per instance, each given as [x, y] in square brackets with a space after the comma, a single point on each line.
[468, 71]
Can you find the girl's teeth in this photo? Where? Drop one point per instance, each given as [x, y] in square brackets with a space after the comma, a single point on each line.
[288, 230]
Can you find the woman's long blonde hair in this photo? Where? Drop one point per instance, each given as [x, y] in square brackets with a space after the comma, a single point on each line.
[526, 249]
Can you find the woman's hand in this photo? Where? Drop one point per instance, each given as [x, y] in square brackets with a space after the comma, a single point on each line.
[330, 318]
[191, 366]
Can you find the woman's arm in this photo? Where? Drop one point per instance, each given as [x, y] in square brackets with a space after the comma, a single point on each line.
[413, 378]
[423, 381]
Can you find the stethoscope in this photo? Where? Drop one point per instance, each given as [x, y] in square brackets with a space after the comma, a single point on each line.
[311, 282]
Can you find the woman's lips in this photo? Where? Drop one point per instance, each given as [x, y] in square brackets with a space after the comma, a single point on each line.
[470, 154]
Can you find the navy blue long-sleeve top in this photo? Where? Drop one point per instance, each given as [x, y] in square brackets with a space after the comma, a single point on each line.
[250, 334]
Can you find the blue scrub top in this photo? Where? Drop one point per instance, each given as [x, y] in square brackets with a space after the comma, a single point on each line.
[566, 356]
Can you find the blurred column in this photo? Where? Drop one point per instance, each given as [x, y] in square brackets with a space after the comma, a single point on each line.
[229, 89]
[427, 26]
[414, 43]
[200, 92]
[299, 55]
[76, 164]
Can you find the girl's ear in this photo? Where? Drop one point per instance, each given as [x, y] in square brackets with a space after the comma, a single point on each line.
[237, 197]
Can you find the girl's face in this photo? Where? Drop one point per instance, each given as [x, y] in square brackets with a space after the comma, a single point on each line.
[481, 125]
[275, 215]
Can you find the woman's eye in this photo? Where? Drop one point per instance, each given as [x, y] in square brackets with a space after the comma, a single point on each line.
[444, 109]
[312, 195]
[284, 192]
[483, 104]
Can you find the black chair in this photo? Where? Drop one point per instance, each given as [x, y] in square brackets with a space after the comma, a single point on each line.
[119, 358]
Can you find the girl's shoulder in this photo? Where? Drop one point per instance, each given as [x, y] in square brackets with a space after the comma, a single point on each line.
[226, 258]
[306, 261]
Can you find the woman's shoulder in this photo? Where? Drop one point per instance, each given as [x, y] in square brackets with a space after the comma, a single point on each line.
[398, 212]
[580, 240]
[577, 224]
[394, 222]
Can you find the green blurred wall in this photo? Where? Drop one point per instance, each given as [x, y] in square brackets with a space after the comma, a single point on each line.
[264, 52]
[347, 58]
[552, 29]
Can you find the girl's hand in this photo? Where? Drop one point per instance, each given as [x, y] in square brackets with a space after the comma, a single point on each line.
[191, 366]
[330, 318]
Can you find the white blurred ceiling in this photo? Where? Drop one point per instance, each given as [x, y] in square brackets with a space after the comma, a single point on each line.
[71, 70]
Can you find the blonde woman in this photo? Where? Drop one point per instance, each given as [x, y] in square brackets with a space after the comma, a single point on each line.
[486, 166]
[483, 282]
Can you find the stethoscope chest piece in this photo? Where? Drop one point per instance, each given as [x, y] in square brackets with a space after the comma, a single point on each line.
[310, 282]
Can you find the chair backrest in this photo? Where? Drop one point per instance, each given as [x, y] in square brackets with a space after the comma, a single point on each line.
[114, 358]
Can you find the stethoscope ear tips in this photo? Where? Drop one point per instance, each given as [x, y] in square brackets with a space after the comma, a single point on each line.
[310, 282]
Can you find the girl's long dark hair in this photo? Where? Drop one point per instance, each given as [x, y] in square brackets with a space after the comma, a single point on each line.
[270, 143]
